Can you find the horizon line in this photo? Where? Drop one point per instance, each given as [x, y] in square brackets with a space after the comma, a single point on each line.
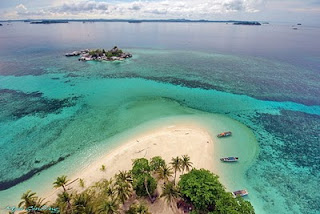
[125, 20]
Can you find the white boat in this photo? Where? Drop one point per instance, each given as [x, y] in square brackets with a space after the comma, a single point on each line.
[229, 159]
[224, 134]
[241, 193]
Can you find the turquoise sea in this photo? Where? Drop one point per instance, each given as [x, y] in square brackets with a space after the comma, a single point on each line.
[57, 113]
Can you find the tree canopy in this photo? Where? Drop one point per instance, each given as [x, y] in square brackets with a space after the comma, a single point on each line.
[199, 190]
[203, 189]
[157, 162]
[140, 166]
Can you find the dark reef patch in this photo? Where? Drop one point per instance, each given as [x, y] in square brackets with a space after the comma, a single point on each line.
[300, 133]
[186, 83]
[22, 68]
[17, 104]
[260, 93]
[33, 149]
[289, 158]
[171, 80]
[10, 183]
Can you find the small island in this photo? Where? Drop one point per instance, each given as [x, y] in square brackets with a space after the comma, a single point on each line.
[247, 23]
[134, 21]
[115, 54]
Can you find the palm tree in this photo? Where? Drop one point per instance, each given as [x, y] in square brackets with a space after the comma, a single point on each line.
[124, 176]
[61, 182]
[110, 206]
[109, 190]
[103, 184]
[176, 165]
[40, 203]
[81, 183]
[138, 208]
[156, 162]
[165, 172]
[186, 164]
[142, 209]
[64, 201]
[170, 193]
[123, 190]
[28, 199]
[81, 204]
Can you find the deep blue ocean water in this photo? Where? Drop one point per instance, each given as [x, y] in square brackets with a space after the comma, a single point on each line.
[266, 77]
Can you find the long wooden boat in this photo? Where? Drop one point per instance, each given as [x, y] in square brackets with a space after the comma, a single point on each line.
[224, 134]
[229, 159]
[241, 193]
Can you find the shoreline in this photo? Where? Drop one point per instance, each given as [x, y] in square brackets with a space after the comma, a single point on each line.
[167, 142]
[199, 126]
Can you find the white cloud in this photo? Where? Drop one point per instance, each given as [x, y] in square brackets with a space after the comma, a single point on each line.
[141, 9]
[85, 6]
[21, 7]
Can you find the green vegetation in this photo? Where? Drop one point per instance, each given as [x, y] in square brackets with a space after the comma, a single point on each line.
[101, 52]
[170, 193]
[81, 183]
[143, 183]
[198, 189]
[186, 164]
[164, 173]
[61, 182]
[103, 168]
[177, 166]
[156, 163]
[138, 209]
[203, 189]
[30, 199]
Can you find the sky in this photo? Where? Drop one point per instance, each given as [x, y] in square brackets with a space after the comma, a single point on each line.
[257, 10]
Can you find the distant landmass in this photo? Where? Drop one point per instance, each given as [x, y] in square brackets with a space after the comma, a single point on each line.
[134, 21]
[48, 22]
[54, 21]
[247, 23]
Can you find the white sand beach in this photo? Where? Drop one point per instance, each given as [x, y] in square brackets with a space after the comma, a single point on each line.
[168, 137]
[167, 142]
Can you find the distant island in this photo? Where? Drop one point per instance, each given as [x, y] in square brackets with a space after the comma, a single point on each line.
[115, 54]
[134, 21]
[49, 22]
[247, 23]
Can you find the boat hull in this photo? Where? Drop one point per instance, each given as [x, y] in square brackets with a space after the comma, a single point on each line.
[229, 159]
[240, 193]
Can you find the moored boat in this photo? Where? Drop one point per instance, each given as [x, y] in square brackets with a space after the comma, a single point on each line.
[241, 193]
[229, 159]
[224, 134]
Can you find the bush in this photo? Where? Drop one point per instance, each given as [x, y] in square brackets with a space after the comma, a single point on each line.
[203, 189]
[140, 166]
[109, 54]
[156, 163]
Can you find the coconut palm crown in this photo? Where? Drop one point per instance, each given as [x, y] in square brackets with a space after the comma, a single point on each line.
[61, 182]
